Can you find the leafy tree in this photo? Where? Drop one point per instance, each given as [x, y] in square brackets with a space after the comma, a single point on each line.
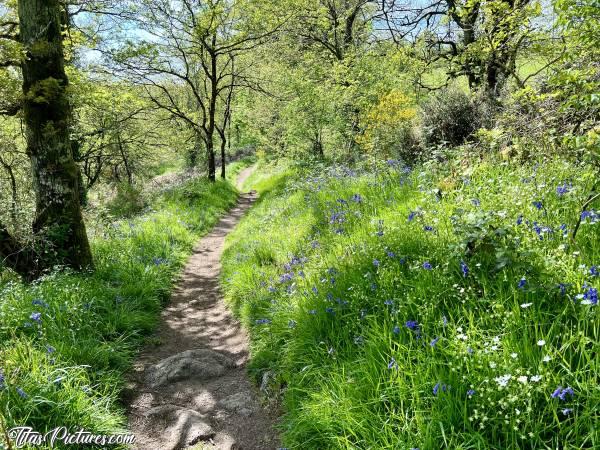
[47, 116]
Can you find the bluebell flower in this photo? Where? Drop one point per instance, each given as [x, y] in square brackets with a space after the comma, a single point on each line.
[329, 310]
[2, 380]
[391, 254]
[538, 204]
[428, 228]
[262, 321]
[436, 388]
[359, 340]
[396, 329]
[522, 283]
[594, 271]
[471, 392]
[376, 262]
[357, 198]
[589, 214]
[158, 261]
[392, 364]
[388, 302]
[21, 393]
[519, 220]
[412, 215]
[312, 311]
[475, 202]
[434, 342]
[292, 323]
[272, 289]
[563, 189]
[561, 393]
[286, 277]
[464, 268]
[590, 296]
[36, 317]
[567, 411]
[427, 265]
[50, 349]
[411, 324]
[39, 302]
[563, 288]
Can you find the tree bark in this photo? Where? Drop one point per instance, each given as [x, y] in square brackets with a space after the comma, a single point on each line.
[47, 115]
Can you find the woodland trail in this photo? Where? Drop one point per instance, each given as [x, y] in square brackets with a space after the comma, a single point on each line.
[192, 389]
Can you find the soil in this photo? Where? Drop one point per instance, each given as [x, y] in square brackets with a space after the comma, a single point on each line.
[207, 400]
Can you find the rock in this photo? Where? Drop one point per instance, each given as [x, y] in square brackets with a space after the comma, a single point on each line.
[178, 427]
[195, 364]
[241, 403]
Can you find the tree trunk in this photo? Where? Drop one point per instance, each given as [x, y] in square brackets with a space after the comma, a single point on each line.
[210, 153]
[47, 114]
[223, 145]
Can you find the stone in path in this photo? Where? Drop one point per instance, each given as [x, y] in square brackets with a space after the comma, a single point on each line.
[196, 372]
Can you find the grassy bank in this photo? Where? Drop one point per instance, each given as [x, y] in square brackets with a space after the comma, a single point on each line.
[446, 307]
[67, 340]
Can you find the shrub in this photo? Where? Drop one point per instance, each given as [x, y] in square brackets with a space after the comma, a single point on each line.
[450, 117]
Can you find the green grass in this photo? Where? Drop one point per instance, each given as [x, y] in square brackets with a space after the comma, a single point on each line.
[374, 350]
[69, 365]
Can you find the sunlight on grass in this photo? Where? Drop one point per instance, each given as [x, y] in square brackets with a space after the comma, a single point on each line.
[396, 319]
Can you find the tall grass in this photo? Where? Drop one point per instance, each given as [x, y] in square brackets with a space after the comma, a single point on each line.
[440, 308]
[67, 340]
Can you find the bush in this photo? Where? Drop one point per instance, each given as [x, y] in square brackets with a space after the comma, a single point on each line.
[127, 202]
[450, 117]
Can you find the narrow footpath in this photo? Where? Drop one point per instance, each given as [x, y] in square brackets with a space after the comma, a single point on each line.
[191, 389]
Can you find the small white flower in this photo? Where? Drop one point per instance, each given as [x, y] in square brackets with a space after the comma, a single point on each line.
[541, 342]
[526, 305]
[503, 380]
[522, 379]
[517, 411]
[535, 378]
[494, 348]
[462, 337]
[492, 364]
[546, 358]
[496, 339]
[514, 355]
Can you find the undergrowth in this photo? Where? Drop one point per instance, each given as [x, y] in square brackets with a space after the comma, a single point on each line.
[446, 307]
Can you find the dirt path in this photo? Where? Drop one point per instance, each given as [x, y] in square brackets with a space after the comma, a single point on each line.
[191, 389]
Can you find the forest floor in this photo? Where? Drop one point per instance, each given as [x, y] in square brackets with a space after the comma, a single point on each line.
[192, 387]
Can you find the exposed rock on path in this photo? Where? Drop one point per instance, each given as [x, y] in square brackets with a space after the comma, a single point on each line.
[193, 387]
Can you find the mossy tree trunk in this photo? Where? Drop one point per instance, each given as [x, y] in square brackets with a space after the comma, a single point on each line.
[47, 114]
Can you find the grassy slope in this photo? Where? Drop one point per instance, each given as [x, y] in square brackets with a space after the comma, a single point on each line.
[376, 350]
[69, 364]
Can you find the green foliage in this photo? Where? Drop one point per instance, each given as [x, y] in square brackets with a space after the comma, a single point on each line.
[69, 361]
[450, 117]
[330, 270]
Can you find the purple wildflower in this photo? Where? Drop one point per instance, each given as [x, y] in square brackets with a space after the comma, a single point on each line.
[21, 393]
[464, 268]
[36, 316]
[411, 324]
[427, 265]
